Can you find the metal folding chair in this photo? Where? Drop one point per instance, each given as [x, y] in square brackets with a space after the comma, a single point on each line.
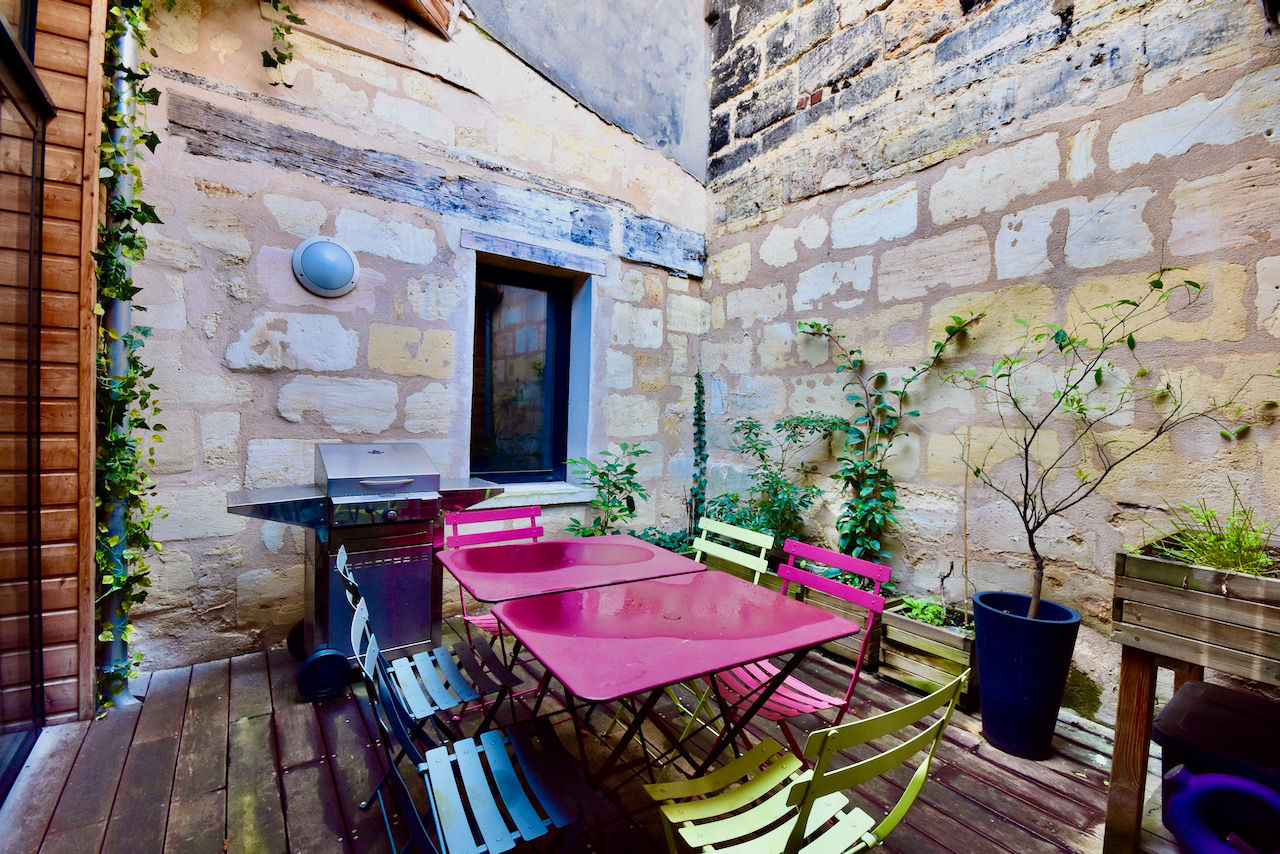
[740, 547]
[765, 802]
[484, 794]
[527, 529]
[794, 697]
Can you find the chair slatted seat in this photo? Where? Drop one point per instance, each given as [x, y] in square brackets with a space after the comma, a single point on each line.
[432, 683]
[794, 697]
[484, 794]
[526, 528]
[765, 803]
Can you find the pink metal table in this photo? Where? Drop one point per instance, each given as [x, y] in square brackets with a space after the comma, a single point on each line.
[519, 570]
[607, 643]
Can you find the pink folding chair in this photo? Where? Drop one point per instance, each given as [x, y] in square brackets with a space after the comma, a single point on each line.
[793, 696]
[527, 529]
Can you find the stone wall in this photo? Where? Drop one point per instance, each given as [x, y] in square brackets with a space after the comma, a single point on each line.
[884, 164]
[395, 142]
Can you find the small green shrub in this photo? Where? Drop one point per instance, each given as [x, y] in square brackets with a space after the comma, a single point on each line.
[780, 487]
[680, 542]
[616, 486]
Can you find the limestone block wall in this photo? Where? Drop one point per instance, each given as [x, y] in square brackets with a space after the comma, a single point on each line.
[399, 144]
[884, 165]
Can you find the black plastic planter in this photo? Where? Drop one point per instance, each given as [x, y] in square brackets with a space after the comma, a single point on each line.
[1022, 670]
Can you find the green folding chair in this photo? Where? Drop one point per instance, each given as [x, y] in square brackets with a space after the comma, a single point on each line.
[764, 803]
[742, 548]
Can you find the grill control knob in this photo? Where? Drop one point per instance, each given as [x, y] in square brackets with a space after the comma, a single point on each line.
[391, 515]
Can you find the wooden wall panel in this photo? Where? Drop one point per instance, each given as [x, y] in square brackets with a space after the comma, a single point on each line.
[68, 56]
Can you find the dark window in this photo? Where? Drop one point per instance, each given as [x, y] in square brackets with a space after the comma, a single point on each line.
[24, 109]
[20, 16]
[520, 391]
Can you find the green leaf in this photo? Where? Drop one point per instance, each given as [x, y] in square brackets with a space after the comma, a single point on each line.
[1130, 342]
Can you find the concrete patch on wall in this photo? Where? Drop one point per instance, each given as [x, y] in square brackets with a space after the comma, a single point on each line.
[731, 266]
[346, 404]
[1232, 208]
[842, 279]
[311, 342]
[1080, 162]
[411, 352]
[955, 259]
[1248, 108]
[989, 182]
[1108, 228]
[883, 216]
[779, 248]
[1022, 244]
[1268, 299]
[299, 217]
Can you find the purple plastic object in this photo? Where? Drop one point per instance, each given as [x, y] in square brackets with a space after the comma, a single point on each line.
[514, 571]
[1222, 814]
[609, 642]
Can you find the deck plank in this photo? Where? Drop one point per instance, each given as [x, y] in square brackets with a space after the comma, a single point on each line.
[355, 769]
[91, 786]
[198, 824]
[297, 730]
[137, 824]
[202, 754]
[312, 814]
[255, 815]
[166, 702]
[27, 810]
[75, 840]
[250, 686]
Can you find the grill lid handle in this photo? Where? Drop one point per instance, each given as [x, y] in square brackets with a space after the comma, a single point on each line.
[385, 482]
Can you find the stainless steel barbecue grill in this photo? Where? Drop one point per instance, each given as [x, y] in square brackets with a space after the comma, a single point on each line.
[382, 503]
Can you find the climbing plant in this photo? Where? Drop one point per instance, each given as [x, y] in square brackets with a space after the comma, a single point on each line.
[781, 475]
[870, 494]
[280, 53]
[126, 404]
[698, 492]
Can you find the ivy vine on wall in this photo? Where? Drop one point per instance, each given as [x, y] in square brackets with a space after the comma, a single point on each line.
[126, 403]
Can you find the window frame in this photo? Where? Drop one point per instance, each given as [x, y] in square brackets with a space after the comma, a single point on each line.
[558, 285]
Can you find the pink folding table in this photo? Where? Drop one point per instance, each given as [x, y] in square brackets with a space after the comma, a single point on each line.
[517, 570]
[607, 643]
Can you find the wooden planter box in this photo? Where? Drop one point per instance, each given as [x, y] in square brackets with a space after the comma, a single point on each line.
[1222, 620]
[926, 657]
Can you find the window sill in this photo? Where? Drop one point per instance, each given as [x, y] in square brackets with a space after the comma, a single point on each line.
[541, 494]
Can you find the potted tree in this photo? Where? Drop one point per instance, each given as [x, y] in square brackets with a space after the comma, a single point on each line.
[1076, 381]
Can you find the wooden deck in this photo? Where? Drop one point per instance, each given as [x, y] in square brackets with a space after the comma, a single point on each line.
[223, 756]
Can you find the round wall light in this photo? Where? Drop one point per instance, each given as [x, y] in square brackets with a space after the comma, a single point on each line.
[325, 267]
